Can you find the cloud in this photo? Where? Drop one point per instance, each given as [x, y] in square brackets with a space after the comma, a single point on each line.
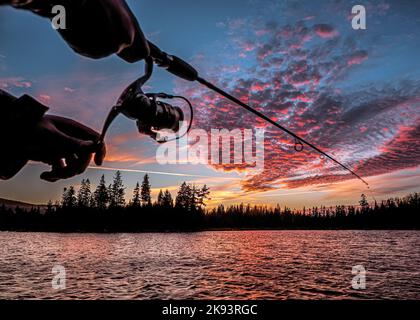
[45, 98]
[294, 76]
[325, 31]
[68, 89]
[16, 82]
[357, 58]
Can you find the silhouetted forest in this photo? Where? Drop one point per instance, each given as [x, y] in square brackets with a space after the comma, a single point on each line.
[105, 210]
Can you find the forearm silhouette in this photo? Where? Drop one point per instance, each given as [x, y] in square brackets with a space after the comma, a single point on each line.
[95, 29]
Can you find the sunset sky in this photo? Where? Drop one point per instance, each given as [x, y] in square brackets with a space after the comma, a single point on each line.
[355, 93]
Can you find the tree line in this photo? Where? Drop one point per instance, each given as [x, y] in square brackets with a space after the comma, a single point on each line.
[391, 214]
[105, 209]
[189, 197]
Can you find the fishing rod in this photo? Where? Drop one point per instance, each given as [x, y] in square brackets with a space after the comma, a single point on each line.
[184, 70]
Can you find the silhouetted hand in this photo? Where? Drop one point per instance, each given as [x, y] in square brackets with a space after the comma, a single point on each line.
[95, 28]
[64, 144]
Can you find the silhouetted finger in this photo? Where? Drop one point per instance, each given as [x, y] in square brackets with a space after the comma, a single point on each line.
[52, 176]
[75, 165]
[100, 153]
[69, 145]
[74, 128]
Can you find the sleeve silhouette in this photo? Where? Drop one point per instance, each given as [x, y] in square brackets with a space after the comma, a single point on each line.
[17, 116]
[95, 28]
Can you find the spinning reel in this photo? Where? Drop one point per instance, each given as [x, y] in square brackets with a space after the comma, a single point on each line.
[152, 116]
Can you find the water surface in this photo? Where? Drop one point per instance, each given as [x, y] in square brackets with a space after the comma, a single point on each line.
[211, 265]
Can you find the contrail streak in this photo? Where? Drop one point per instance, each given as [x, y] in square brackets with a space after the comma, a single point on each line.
[160, 172]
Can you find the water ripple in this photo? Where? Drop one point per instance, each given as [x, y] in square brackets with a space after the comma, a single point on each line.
[211, 265]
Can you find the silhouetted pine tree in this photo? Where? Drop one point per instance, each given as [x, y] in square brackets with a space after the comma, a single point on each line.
[146, 198]
[167, 201]
[185, 198]
[135, 200]
[79, 194]
[117, 192]
[160, 199]
[100, 195]
[84, 196]
[192, 198]
[200, 196]
[69, 199]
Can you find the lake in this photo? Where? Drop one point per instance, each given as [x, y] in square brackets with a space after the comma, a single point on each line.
[210, 265]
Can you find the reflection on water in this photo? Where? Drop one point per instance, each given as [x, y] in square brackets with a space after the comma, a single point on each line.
[211, 265]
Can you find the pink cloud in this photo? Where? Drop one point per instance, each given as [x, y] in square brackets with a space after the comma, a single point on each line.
[325, 31]
[18, 82]
[357, 58]
[45, 98]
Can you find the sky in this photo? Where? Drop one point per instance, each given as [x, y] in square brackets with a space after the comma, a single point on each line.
[354, 93]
